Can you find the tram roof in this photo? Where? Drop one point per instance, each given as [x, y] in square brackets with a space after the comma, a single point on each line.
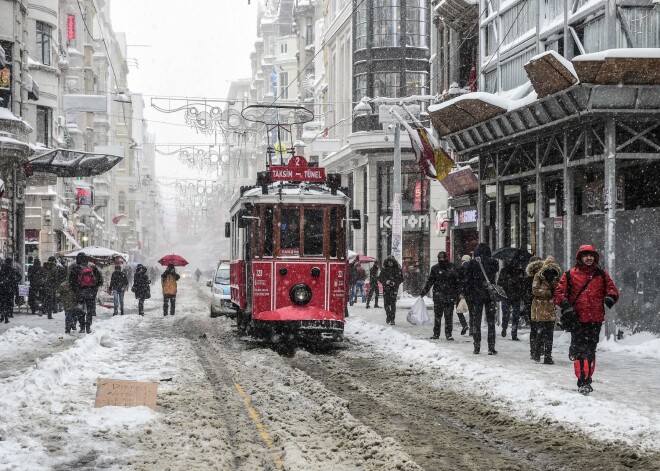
[301, 193]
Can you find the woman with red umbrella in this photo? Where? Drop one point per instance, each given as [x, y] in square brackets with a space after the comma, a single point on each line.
[168, 281]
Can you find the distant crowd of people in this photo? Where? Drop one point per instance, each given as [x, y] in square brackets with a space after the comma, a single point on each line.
[528, 288]
[74, 288]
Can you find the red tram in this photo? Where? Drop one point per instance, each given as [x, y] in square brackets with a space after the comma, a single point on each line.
[289, 267]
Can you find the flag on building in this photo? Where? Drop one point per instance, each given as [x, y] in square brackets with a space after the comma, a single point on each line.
[434, 162]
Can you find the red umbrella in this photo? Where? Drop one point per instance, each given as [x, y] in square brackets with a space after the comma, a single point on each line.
[176, 260]
[365, 258]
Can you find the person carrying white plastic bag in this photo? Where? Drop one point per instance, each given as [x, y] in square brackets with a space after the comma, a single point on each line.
[418, 314]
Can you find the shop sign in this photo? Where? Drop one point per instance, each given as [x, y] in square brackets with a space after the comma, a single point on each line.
[465, 216]
[409, 222]
[71, 27]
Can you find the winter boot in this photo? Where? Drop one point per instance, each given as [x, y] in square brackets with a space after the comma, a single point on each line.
[547, 360]
[492, 351]
[477, 349]
[464, 329]
[82, 329]
[503, 332]
[367, 306]
[50, 316]
[88, 329]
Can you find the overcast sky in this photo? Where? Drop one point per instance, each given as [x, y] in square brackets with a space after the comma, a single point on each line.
[184, 49]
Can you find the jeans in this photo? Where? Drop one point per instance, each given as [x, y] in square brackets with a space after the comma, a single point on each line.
[119, 301]
[373, 288]
[507, 307]
[70, 319]
[358, 289]
[476, 314]
[171, 300]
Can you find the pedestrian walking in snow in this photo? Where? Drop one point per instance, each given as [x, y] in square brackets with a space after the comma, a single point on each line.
[462, 303]
[9, 279]
[198, 275]
[475, 290]
[586, 289]
[141, 287]
[68, 298]
[118, 285]
[373, 284]
[444, 278]
[36, 281]
[512, 281]
[85, 280]
[391, 276]
[168, 281]
[360, 277]
[50, 276]
[543, 309]
[534, 265]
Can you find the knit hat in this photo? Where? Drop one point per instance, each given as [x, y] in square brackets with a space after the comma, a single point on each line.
[466, 258]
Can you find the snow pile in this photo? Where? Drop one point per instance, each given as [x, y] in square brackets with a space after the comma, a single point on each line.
[631, 52]
[527, 393]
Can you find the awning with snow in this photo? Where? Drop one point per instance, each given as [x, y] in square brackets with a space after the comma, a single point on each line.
[465, 111]
[72, 163]
[3, 57]
[68, 237]
[32, 88]
[550, 73]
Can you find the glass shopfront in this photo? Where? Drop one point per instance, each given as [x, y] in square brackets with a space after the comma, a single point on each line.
[415, 221]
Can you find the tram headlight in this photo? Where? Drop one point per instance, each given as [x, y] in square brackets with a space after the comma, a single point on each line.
[300, 294]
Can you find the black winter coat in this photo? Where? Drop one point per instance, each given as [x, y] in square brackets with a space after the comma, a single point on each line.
[445, 280]
[84, 292]
[118, 281]
[373, 274]
[9, 279]
[141, 284]
[512, 280]
[475, 288]
[390, 276]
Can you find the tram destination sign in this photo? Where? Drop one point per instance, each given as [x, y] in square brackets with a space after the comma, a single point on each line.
[297, 170]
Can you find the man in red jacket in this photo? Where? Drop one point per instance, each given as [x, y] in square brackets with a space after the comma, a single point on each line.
[586, 288]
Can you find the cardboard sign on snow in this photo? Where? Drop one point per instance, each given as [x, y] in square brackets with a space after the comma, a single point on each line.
[122, 393]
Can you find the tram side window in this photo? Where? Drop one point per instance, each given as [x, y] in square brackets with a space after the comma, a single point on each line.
[333, 232]
[268, 232]
[290, 232]
[313, 232]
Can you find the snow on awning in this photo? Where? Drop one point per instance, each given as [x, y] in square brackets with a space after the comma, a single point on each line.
[632, 66]
[550, 73]
[3, 57]
[68, 237]
[465, 111]
[72, 163]
[32, 88]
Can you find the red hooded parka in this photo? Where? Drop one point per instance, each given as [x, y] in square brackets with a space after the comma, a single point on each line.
[589, 306]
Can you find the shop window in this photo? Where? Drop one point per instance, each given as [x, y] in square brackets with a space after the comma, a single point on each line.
[44, 35]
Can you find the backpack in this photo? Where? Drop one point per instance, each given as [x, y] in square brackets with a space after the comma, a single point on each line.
[86, 277]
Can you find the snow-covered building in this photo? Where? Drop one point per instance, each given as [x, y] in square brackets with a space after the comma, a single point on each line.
[567, 143]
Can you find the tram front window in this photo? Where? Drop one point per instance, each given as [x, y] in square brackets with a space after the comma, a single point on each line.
[313, 232]
[290, 232]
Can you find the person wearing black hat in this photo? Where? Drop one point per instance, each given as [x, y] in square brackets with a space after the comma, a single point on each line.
[445, 280]
[85, 280]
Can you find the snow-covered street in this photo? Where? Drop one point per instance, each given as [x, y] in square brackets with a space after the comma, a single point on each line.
[226, 402]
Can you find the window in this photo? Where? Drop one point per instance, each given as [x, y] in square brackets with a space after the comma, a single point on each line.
[643, 27]
[284, 84]
[309, 31]
[387, 23]
[121, 203]
[333, 232]
[387, 84]
[554, 9]
[490, 39]
[490, 81]
[44, 34]
[5, 76]
[513, 71]
[44, 125]
[416, 24]
[518, 20]
[360, 87]
[361, 26]
[290, 231]
[283, 48]
[313, 232]
[268, 231]
[416, 83]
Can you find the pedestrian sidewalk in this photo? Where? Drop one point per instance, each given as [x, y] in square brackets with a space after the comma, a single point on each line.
[624, 406]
